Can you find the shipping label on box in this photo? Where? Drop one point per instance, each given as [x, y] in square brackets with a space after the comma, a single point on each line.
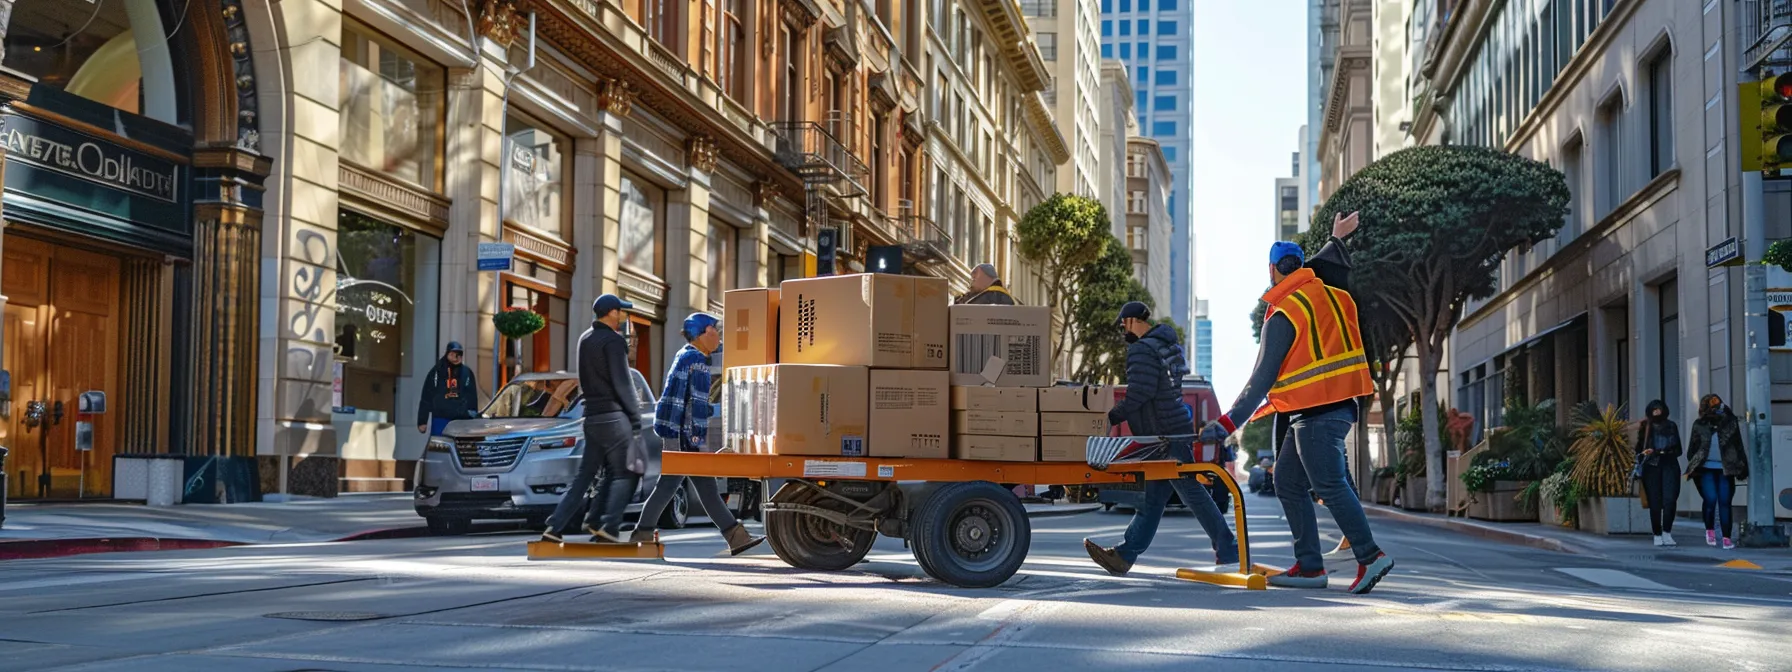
[999, 448]
[1078, 399]
[1008, 346]
[868, 319]
[1073, 424]
[909, 414]
[998, 423]
[750, 324]
[797, 409]
[979, 398]
[1063, 449]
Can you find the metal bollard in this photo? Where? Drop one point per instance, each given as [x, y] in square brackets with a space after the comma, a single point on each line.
[3, 482]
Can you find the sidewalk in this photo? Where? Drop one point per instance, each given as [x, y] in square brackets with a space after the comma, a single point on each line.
[1690, 534]
[51, 530]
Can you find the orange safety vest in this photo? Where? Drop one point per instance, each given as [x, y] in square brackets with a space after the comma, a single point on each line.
[1326, 363]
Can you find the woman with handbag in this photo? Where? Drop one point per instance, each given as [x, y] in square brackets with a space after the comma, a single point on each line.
[1658, 455]
[1714, 462]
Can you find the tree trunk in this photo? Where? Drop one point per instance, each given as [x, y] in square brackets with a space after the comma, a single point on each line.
[1390, 423]
[1434, 449]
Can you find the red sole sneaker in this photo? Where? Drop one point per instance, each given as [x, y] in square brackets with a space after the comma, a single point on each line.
[1370, 574]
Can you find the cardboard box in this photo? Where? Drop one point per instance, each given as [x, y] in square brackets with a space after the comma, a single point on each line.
[1073, 424]
[999, 448]
[932, 299]
[995, 423]
[909, 414]
[796, 409]
[868, 319]
[1064, 449]
[1008, 346]
[1081, 399]
[978, 398]
[750, 327]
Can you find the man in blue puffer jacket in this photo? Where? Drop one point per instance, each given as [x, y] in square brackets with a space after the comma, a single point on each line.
[1155, 366]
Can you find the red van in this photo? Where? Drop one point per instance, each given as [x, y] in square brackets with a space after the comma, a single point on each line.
[1199, 395]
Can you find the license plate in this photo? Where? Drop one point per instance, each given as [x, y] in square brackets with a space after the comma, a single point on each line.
[487, 484]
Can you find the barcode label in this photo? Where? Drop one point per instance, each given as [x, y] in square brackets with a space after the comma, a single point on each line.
[972, 351]
[853, 446]
[1023, 356]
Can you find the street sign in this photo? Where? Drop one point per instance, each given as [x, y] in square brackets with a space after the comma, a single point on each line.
[496, 256]
[1727, 253]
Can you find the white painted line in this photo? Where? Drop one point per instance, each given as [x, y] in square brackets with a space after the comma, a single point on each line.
[75, 580]
[1612, 578]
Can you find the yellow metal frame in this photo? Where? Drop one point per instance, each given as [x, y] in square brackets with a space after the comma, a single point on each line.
[740, 465]
[581, 550]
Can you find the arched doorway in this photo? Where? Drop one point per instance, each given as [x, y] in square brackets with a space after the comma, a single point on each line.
[132, 216]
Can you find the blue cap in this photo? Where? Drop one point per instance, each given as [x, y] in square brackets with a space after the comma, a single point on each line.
[454, 346]
[697, 323]
[1283, 248]
[608, 302]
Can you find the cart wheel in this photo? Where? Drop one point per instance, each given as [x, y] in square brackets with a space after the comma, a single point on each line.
[809, 542]
[972, 535]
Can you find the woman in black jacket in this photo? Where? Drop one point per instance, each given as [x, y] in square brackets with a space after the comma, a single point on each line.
[1658, 450]
[1714, 462]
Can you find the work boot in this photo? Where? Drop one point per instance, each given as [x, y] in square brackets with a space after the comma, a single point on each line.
[603, 536]
[643, 535]
[1107, 558]
[740, 540]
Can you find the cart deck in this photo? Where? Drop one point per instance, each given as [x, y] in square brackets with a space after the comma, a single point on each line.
[963, 527]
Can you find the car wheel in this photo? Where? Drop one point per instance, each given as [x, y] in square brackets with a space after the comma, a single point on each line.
[445, 526]
[678, 512]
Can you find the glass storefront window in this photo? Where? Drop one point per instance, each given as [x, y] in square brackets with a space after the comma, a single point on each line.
[722, 261]
[375, 313]
[90, 50]
[391, 102]
[534, 196]
[640, 215]
[544, 350]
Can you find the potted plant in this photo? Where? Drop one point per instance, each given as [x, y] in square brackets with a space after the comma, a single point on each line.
[1558, 498]
[1503, 483]
[1411, 472]
[1601, 472]
[1386, 480]
[515, 324]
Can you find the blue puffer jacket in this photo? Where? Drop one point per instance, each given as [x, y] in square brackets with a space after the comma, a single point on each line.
[1155, 365]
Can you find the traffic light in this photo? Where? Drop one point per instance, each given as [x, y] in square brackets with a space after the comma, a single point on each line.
[1766, 123]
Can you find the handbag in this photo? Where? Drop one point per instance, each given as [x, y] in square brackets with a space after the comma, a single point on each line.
[1636, 472]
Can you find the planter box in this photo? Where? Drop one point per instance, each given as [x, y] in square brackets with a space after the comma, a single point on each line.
[1548, 514]
[1501, 504]
[1412, 496]
[1382, 491]
[1614, 515]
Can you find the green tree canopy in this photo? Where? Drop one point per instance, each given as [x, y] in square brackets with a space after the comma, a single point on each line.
[1105, 286]
[1063, 236]
[1436, 221]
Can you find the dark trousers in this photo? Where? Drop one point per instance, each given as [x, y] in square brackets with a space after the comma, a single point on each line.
[1150, 513]
[607, 439]
[1717, 490]
[1661, 483]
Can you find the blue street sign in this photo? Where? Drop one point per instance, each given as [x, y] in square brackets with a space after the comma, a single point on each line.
[495, 256]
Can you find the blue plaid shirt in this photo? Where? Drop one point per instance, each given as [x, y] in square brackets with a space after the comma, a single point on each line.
[683, 412]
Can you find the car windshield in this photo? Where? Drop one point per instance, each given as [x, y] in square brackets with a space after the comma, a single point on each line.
[538, 398]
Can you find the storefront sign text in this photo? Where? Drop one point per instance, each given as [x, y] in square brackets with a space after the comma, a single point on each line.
[75, 154]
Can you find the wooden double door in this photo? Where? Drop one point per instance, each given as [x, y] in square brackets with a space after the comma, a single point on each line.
[61, 339]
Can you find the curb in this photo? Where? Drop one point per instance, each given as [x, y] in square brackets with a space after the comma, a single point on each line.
[55, 548]
[1487, 532]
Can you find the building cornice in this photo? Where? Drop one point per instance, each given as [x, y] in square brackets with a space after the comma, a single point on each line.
[1040, 117]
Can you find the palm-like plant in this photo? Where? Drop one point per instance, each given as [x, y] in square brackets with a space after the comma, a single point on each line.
[1601, 451]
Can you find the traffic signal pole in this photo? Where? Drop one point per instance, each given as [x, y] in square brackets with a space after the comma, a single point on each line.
[1760, 530]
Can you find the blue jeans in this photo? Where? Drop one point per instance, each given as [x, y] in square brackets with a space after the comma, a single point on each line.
[1146, 518]
[1313, 459]
[1717, 490]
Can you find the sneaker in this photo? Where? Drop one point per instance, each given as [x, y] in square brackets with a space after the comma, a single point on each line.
[551, 536]
[1343, 545]
[1710, 537]
[1296, 577]
[1370, 574]
[1107, 558]
[603, 537]
[1729, 545]
[1667, 539]
[1658, 541]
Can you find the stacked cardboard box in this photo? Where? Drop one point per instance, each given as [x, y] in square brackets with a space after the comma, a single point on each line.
[850, 366]
[995, 423]
[1068, 416]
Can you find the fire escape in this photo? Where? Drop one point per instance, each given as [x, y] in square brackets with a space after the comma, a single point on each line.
[814, 152]
[1766, 30]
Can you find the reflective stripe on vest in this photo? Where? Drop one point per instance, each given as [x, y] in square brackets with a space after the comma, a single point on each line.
[1326, 363]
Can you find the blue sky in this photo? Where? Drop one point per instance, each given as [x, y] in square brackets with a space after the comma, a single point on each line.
[1249, 103]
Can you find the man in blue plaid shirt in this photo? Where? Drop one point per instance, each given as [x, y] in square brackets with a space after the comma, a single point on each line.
[683, 416]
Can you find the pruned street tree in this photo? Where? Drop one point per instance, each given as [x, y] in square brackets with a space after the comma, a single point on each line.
[1063, 236]
[1105, 286]
[1436, 221]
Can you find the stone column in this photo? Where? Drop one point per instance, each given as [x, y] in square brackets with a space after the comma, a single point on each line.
[475, 147]
[687, 242]
[614, 102]
[587, 240]
[226, 292]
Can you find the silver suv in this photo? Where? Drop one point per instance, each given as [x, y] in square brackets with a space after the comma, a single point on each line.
[516, 459]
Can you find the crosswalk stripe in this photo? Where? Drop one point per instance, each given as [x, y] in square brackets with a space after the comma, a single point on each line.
[1612, 578]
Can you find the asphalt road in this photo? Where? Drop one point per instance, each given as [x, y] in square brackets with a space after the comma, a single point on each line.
[1453, 603]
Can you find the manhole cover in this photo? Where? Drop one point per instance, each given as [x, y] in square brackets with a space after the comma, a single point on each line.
[327, 615]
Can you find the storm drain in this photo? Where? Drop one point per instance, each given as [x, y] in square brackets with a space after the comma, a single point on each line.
[327, 615]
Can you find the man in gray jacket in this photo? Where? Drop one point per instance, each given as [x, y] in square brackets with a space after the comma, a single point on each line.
[1155, 366]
